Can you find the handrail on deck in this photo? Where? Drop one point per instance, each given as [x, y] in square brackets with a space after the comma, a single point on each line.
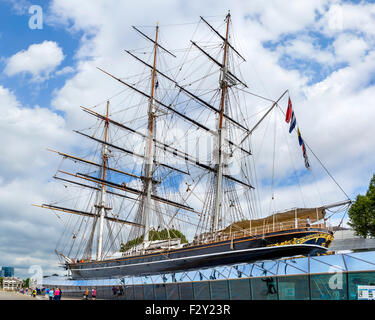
[256, 231]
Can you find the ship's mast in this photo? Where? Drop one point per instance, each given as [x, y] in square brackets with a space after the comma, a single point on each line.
[149, 146]
[220, 134]
[101, 205]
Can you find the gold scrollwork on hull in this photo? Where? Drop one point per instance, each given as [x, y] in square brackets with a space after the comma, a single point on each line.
[328, 239]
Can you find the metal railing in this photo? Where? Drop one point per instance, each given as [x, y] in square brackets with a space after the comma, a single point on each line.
[259, 230]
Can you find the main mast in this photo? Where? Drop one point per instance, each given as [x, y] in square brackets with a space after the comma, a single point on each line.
[149, 146]
[101, 205]
[220, 134]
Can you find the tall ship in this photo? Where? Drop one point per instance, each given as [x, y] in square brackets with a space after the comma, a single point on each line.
[165, 180]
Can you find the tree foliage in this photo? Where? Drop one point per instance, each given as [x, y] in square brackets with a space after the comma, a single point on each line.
[26, 283]
[362, 212]
[154, 235]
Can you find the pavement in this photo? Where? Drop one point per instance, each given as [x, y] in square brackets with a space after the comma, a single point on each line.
[6, 295]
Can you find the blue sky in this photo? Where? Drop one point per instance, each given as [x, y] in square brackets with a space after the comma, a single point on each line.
[328, 66]
[17, 36]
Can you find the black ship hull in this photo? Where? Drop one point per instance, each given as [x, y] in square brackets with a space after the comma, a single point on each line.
[244, 249]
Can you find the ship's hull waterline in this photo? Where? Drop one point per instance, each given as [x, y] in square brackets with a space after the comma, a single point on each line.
[246, 249]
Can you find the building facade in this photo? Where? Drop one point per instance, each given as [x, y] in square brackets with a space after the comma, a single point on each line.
[12, 284]
[7, 272]
[346, 239]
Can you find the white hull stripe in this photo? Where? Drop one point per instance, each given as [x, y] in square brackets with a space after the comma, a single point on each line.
[195, 257]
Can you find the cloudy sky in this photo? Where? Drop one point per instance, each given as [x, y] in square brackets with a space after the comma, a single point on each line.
[322, 51]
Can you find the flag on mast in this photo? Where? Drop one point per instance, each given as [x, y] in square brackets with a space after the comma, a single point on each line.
[293, 122]
[288, 111]
[307, 164]
[300, 140]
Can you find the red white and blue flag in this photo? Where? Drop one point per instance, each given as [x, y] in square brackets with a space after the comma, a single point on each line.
[293, 122]
[288, 111]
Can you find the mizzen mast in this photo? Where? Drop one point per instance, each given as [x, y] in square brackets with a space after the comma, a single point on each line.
[220, 135]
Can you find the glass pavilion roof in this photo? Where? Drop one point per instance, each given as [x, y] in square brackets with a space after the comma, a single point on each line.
[344, 262]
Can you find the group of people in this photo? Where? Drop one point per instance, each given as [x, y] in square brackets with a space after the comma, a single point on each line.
[86, 294]
[54, 294]
[120, 291]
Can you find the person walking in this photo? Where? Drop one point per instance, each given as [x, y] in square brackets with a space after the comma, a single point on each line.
[93, 294]
[86, 294]
[56, 294]
[114, 290]
[47, 292]
[51, 293]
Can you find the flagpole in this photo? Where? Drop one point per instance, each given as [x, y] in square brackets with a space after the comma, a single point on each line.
[261, 119]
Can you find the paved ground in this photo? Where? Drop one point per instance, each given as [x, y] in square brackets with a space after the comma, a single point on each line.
[4, 295]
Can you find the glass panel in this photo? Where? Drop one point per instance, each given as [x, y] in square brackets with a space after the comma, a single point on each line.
[157, 279]
[159, 290]
[189, 276]
[245, 269]
[201, 290]
[146, 280]
[257, 271]
[186, 291]
[137, 280]
[234, 273]
[197, 276]
[204, 274]
[222, 273]
[264, 288]
[294, 288]
[138, 292]
[239, 289]
[270, 267]
[360, 261]
[330, 260]
[148, 290]
[320, 265]
[184, 277]
[172, 291]
[328, 286]
[359, 278]
[293, 266]
[219, 290]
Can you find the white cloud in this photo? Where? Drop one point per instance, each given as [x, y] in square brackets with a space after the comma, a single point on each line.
[304, 48]
[350, 48]
[39, 60]
[349, 17]
[25, 171]
[25, 134]
[65, 70]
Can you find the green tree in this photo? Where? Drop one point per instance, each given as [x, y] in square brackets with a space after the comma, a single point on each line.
[154, 235]
[362, 212]
[26, 283]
